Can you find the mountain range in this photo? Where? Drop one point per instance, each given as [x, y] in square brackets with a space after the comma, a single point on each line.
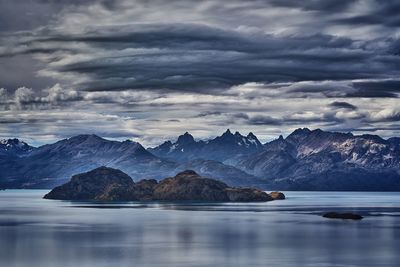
[304, 160]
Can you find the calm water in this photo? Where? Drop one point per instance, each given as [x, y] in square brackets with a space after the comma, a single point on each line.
[41, 233]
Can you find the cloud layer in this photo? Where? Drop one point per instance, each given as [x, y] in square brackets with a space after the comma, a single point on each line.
[153, 69]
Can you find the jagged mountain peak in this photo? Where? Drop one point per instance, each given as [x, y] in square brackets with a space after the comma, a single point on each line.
[185, 138]
[229, 136]
[220, 148]
[304, 130]
[298, 135]
[251, 135]
[252, 138]
[228, 133]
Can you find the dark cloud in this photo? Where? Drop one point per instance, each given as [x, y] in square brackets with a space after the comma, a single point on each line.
[208, 113]
[325, 6]
[10, 121]
[201, 57]
[21, 70]
[385, 12]
[366, 129]
[385, 88]
[294, 119]
[343, 105]
[193, 57]
[264, 120]
[240, 115]
[394, 47]
[35, 13]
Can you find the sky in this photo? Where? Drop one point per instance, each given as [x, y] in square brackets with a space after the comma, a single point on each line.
[151, 70]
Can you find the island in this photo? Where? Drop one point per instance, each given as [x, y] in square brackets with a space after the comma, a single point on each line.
[108, 184]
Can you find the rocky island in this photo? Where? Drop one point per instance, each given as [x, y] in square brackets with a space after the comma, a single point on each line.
[108, 184]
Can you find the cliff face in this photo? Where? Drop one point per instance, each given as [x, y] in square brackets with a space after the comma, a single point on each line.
[107, 184]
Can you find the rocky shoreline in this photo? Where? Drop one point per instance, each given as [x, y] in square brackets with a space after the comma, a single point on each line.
[108, 184]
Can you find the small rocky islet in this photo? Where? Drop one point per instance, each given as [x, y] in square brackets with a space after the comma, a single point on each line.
[108, 184]
[343, 216]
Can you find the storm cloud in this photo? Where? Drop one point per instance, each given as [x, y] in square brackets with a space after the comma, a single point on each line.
[165, 67]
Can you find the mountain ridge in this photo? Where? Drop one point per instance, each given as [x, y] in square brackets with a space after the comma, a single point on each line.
[304, 160]
[186, 148]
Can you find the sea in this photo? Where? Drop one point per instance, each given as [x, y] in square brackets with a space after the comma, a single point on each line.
[36, 232]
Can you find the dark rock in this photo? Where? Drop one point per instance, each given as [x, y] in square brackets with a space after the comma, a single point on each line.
[336, 215]
[277, 195]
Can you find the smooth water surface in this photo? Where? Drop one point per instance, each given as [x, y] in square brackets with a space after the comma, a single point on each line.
[42, 233]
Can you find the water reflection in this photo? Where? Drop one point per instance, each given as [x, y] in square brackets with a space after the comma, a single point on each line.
[36, 232]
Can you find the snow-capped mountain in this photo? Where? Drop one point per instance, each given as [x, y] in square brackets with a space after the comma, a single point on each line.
[319, 160]
[14, 147]
[221, 148]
